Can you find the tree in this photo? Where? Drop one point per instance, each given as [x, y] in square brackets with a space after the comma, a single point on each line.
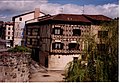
[102, 65]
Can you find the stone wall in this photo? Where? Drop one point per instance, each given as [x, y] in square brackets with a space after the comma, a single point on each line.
[14, 67]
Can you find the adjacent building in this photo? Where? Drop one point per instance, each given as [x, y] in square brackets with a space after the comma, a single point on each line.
[57, 40]
[1, 29]
[2, 44]
[8, 33]
[19, 24]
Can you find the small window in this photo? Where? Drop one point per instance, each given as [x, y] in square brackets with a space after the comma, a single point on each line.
[73, 46]
[75, 59]
[8, 33]
[57, 45]
[35, 32]
[57, 31]
[8, 28]
[83, 57]
[76, 32]
[20, 19]
[102, 34]
[101, 47]
[8, 37]
[30, 41]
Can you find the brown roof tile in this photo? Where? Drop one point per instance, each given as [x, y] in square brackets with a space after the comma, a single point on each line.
[71, 17]
[68, 17]
[9, 23]
[77, 18]
[99, 17]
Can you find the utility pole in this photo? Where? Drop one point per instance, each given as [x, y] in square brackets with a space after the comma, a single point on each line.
[61, 10]
[83, 10]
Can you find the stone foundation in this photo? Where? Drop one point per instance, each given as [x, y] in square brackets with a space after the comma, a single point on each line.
[14, 67]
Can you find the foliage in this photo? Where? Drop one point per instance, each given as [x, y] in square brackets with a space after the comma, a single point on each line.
[19, 49]
[75, 72]
[102, 66]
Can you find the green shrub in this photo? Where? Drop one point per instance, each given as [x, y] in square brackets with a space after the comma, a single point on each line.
[19, 49]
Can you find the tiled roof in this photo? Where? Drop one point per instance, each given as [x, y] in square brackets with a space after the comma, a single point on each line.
[9, 23]
[98, 17]
[77, 18]
[25, 14]
[70, 17]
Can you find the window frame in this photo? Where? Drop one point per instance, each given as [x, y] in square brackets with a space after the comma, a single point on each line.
[8, 32]
[20, 19]
[102, 34]
[71, 47]
[76, 34]
[101, 47]
[8, 28]
[8, 37]
[57, 45]
[57, 31]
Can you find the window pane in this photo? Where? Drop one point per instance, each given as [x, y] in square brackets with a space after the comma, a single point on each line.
[57, 45]
[102, 34]
[73, 46]
[57, 31]
[101, 47]
[76, 32]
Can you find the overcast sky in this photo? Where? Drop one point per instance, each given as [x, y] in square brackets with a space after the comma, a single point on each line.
[10, 8]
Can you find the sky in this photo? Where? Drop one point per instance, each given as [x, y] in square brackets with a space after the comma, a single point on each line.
[10, 8]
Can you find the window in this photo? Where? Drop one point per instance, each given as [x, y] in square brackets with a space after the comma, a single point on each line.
[75, 59]
[30, 41]
[29, 31]
[73, 46]
[20, 19]
[102, 34]
[35, 42]
[8, 37]
[8, 28]
[35, 32]
[83, 57]
[57, 31]
[57, 45]
[76, 32]
[8, 33]
[101, 47]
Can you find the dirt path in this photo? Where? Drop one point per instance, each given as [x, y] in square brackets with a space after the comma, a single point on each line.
[49, 76]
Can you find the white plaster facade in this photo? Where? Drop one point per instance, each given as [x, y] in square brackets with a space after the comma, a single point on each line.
[19, 24]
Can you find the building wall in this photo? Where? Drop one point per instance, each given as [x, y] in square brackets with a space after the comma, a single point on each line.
[94, 31]
[9, 34]
[68, 37]
[19, 26]
[59, 62]
[49, 56]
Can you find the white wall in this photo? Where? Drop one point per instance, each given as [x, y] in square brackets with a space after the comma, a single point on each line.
[59, 62]
[11, 30]
[19, 29]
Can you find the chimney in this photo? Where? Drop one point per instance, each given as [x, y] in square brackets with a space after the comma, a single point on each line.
[37, 12]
